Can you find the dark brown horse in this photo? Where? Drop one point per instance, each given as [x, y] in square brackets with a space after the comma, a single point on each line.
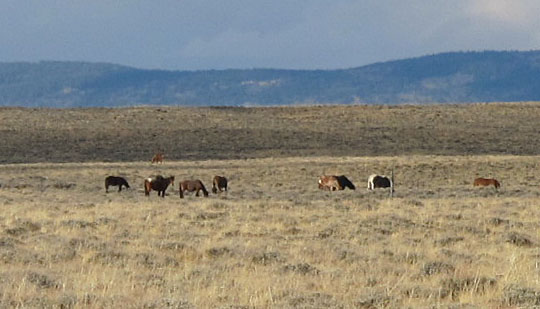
[220, 183]
[484, 182]
[115, 181]
[333, 183]
[158, 183]
[158, 158]
[192, 185]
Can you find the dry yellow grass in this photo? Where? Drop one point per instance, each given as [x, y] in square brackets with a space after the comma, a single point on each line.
[275, 240]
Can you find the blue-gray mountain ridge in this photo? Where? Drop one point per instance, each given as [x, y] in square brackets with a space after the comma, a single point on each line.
[456, 77]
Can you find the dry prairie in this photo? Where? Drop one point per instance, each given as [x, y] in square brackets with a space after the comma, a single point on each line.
[274, 240]
[135, 134]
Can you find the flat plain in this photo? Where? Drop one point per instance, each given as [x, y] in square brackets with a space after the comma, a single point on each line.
[274, 240]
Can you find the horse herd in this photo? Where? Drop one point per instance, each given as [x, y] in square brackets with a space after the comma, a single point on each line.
[219, 183]
[333, 183]
[326, 182]
[160, 184]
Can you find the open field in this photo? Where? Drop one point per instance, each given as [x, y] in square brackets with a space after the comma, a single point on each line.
[275, 240]
[135, 134]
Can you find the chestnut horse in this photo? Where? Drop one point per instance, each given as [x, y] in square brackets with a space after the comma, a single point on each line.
[158, 183]
[333, 183]
[115, 181]
[484, 182]
[158, 158]
[192, 185]
[220, 183]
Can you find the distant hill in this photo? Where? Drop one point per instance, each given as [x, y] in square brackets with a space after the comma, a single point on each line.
[447, 77]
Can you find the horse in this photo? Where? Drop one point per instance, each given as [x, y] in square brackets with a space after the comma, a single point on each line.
[158, 183]
[192, 185]
[333, 183]
[220, 183]
[158, 158]
[484, 182]
[115, 181]
[378, 181]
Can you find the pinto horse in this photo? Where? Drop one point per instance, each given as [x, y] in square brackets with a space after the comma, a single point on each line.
[484, 182]
[333, 183]
[191, 186]
[379, 181]
[219, 183]
[158, 158]
[158, 183]
[115, 181]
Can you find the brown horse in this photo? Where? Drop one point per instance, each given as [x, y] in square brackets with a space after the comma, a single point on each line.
[158, 158]
[220, 183]
[158, 183]
[333, 183]
[192, 185]
[115, 181]
[484, 182]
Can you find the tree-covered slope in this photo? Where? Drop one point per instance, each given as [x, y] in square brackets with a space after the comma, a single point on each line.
[448, 77]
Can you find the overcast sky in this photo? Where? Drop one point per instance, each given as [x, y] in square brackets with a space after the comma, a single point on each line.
[292, 34]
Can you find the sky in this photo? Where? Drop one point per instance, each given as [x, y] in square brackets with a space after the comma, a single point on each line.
[244, 34]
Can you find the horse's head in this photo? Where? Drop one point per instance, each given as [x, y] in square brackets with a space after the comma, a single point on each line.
[172, 180]
[345, 182]
[214, 189]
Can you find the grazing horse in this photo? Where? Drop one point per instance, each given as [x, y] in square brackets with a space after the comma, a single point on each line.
[333, 183]
[158, 183]
[192, 185]
[378, 181]
[158, 158]
[115, 181]
[484, 182]
[220, 183]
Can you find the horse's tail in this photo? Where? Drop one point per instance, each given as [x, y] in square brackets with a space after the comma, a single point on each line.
[147, 187]
[181, 192]
[214, 186]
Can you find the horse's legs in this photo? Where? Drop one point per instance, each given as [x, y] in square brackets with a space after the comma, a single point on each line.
[197, 193]
[181, 192]
[119, 188]
[147, 188]
[106, 189]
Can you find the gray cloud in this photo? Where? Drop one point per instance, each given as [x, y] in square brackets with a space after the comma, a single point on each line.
[312, 34]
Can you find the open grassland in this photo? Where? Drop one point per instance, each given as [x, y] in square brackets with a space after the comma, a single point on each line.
[135, 134]
[274, 240]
